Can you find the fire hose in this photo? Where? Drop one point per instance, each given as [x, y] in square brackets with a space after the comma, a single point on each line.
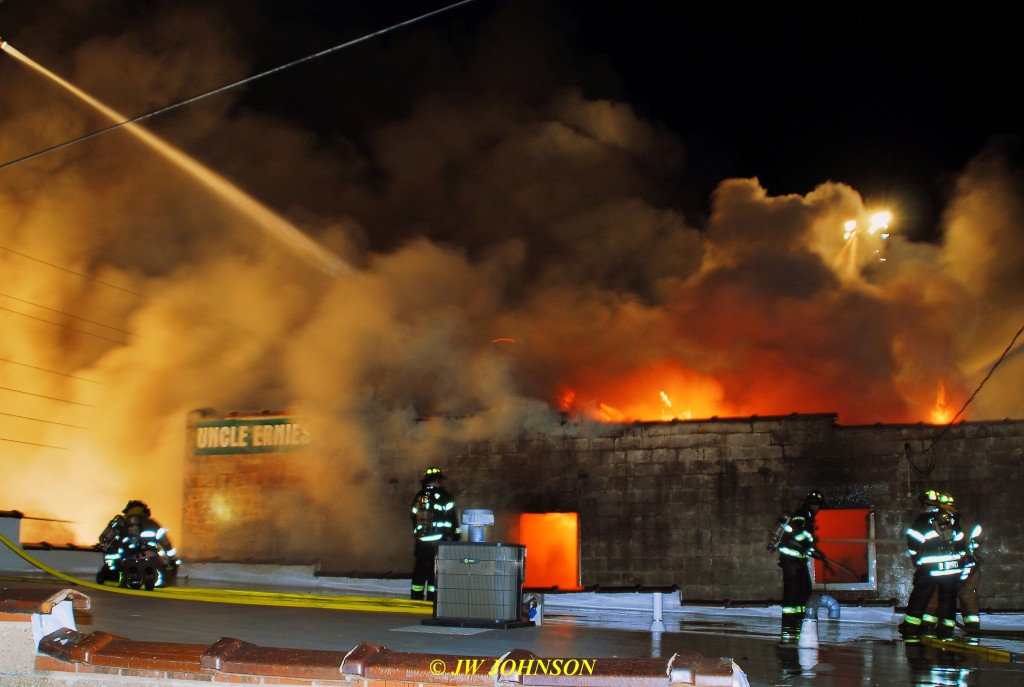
[341, 603]
[987, 653]
[829, 562]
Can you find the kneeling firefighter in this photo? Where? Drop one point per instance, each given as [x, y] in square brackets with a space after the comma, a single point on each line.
[137, 553]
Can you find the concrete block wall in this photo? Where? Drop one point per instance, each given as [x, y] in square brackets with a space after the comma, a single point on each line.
[690, 503]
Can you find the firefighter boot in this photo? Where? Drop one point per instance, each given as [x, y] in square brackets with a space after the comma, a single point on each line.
[945, 629]
[910, 629]
[929, 625]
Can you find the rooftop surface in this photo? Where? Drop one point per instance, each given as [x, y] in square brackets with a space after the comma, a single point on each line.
[861, 646]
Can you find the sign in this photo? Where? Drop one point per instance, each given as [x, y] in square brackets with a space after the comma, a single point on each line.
[258, 435]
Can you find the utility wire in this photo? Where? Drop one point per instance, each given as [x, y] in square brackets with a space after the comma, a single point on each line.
[32, 443]
[65, 269]
[43, 369]
[58, 324]
[1005, 353]
[67, 314]
[49, 398]
[48, 422]
[235, 84]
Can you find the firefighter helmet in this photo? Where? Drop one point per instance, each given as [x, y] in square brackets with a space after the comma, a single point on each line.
[135, 507]
[815, 497]
[933, 497]
[432, 474]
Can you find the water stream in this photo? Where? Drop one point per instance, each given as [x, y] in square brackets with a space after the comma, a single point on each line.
[271, 222]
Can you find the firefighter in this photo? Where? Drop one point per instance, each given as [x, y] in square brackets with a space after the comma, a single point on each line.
[796, 547]
[136, 550]
[936, 544]
[434, 519]
[967, 587]
[967, 590]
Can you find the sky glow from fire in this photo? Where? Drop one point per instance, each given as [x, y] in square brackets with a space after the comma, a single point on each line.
[513, 260]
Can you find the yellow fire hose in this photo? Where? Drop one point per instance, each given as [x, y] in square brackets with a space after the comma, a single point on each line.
[341, 603]
[987, 653]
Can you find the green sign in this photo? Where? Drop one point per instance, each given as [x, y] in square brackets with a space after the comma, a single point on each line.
[269, 435]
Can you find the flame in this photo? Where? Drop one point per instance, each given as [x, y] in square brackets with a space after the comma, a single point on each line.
[941, 413]
[645, 394]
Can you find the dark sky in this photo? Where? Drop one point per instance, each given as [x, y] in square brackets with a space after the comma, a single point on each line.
[892, 100]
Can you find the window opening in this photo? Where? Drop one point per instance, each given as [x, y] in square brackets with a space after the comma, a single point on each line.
[552, 549]
[846, 536]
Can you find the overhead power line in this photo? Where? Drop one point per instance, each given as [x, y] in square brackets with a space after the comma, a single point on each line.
[48, 422]
[44, 369]
[33, 443]
[960, 412]
[235, 84]
[49, 398]
[65, 269]
[59, 324]
[67, 314]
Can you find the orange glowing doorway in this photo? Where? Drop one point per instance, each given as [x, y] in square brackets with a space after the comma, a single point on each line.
[847, 538]
[552, 549]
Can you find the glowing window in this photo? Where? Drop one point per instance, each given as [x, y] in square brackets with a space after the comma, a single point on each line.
[552, 549]
[847, 538]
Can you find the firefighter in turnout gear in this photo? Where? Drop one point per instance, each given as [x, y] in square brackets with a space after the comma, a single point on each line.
[937, 546]
[136, 550]
[967, 590]
[796, 547]
[967, 586]
[434, 519]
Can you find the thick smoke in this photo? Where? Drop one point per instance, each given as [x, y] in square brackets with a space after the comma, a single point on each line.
[508, 259]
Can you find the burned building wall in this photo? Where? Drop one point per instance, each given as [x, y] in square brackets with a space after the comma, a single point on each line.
[690, 503]
[242, 471]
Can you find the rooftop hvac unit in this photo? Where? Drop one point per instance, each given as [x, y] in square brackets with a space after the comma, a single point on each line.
[479, 584]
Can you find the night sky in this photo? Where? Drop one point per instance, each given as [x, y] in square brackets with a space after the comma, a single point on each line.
[891, 99]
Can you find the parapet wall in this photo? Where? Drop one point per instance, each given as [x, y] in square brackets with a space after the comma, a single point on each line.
[691, 503]
[64, 657]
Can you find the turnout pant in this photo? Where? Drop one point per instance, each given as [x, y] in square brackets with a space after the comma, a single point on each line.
[796, 591]
[424, 583]
[967, 598]
[925, 584]
[967, 595]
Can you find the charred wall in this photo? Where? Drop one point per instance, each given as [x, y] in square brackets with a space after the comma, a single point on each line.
[683, 503]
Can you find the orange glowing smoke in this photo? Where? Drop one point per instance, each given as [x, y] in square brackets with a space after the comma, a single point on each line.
[661, 392]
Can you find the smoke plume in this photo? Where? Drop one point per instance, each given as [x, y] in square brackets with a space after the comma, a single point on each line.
[512, 260]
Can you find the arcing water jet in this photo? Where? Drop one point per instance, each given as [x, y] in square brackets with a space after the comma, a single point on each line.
[270, 221]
